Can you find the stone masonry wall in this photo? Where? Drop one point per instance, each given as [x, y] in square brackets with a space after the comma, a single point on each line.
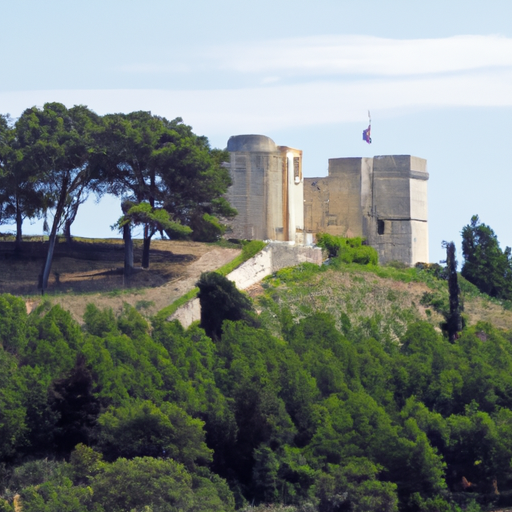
[272, 258]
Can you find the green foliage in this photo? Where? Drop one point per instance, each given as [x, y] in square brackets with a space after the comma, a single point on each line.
[340, 409]
[21, 196]
[347, 250]
[143, 483]
[355, 487]
[454, 318]
[298, 273]
[485, 264]
[54, 340]
[157, 218]
[13, 324]
[55, 145]
[221, 300]
[172, 177]
[207, 228]
[99, 322]
[159, 484]
[169, 310]
[249, 249]
[438, 301]
[76, 408]
[85, 463]
[143, 429]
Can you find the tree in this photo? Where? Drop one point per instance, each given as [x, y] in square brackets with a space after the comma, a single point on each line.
[355, 486]
[144, 483]
[143, 429]
[153, 220]
[127, 143]
[77, 408]
[12, 413]
[485, 264]
[220, 300]
[160, 165]
[454, 318]
[190, 160]
[20, 194]
[56, 144]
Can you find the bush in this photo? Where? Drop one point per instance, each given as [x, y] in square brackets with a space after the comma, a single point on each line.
[348, 250]
[220, 300]
[207, 228]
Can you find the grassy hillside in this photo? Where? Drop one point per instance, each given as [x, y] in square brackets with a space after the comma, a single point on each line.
[378, 301]
[383, 298]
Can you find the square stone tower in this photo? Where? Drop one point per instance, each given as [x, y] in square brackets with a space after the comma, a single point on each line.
[398, 224]
[383, 199]
[267, 189]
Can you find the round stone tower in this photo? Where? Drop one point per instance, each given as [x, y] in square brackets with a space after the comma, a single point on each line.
[267, 189]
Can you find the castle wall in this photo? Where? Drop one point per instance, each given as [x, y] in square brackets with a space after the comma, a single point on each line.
[382, 199]
[345, 214]
[419, 205]
[316, 204]
[252, 175]
[272, 258]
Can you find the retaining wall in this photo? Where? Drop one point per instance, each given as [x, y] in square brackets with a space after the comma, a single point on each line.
[272, 258]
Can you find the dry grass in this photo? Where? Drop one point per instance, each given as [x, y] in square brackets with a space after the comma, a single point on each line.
[364, 295]
[94, 274]
[485, 310]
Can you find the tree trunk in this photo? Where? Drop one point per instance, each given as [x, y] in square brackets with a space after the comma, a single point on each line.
[67, 231]
[19, 223]
[53, 234]
[145, 248]
[128, 250]
[71, 217]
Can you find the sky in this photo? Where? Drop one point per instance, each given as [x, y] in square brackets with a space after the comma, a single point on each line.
[436, 76]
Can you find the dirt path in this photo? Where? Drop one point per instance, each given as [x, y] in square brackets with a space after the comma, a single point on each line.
[148, 300]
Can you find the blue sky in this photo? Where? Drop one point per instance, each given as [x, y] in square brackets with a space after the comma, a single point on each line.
[437, 77]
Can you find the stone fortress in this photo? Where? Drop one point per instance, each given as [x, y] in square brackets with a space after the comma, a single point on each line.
[383, 199]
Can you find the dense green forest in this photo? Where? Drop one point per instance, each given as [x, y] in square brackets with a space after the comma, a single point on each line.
[305, 410]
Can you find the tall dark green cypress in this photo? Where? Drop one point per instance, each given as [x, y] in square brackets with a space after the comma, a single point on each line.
[454, 318]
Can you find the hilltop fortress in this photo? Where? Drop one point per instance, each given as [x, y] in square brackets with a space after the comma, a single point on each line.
[383, 199]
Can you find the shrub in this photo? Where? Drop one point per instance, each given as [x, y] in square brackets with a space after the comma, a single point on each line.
[348, 250]
[207, 228]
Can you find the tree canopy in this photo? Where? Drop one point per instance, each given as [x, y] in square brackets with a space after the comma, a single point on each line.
[21, 195]
[55, 145]
[168, 179]
[322, 416]
[486, 265]
[151, 161]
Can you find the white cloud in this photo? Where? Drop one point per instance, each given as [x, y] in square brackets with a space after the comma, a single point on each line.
[261, 109]
[151, 68]
[331, 55]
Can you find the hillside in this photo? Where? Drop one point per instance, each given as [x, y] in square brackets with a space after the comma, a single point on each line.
[376, 300]
[91, 271]
[340, 394]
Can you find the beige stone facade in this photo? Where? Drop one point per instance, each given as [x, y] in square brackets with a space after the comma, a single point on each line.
[383, 199]
[267, 190]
